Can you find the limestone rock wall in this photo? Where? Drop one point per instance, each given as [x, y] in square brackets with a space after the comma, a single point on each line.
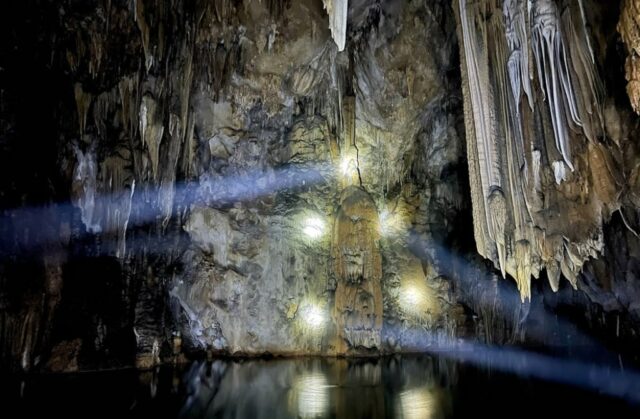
[200, 149]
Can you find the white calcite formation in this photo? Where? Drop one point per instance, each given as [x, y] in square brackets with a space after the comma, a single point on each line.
[534, 118]
[337, 11]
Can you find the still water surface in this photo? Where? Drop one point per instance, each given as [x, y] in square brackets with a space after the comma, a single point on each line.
[417, 387]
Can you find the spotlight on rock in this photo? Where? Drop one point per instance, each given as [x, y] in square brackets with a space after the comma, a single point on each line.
[348, 166]
[313, 227]
[313, 317]
[412, 297]
[390, 223]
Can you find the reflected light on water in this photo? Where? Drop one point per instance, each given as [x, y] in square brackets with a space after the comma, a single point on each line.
[312, 394]
[416, 403]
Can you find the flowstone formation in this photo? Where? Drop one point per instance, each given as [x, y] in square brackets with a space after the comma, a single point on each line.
[355, 249]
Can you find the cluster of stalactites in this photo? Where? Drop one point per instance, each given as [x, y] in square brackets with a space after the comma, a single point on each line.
[507, 46]
[152, 106]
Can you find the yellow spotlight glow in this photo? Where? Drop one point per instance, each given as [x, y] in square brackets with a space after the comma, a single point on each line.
[349, 166]
[310, 395]
[345, 165]
[412, 297]
[313, 316]
[418, 403]
[390, 223]
[313, 227]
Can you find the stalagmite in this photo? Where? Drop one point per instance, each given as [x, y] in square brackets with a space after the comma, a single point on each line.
[337, 11]
[357, 266]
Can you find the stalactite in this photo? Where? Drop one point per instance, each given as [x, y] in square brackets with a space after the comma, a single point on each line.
[83, 103]
[337, 11]
[481, 96]
[85, 189]
[512, 146]
[523, 269]
[517, 33]
[151, 130]
[144, 33]
[585, 81]
[551, 60]
[497, 206]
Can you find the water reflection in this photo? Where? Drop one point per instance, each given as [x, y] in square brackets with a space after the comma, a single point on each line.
[313, 388]
[417, 403]
[310, 396]
[397, 387]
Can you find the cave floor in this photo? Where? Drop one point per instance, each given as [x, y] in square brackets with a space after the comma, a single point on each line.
[392, 387]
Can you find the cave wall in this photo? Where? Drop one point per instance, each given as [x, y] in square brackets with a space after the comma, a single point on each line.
[190, 144]
[173, 173]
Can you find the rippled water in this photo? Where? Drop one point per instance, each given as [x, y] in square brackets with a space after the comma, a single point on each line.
[400, 387]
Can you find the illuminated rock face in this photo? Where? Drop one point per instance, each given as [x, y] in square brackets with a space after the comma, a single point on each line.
[219, 169]
[357, 265]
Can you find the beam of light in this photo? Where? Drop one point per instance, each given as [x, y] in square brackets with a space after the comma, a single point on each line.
[527, 364]
[480, 291]
[625, 385]
[603, 379]
[36, 224]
